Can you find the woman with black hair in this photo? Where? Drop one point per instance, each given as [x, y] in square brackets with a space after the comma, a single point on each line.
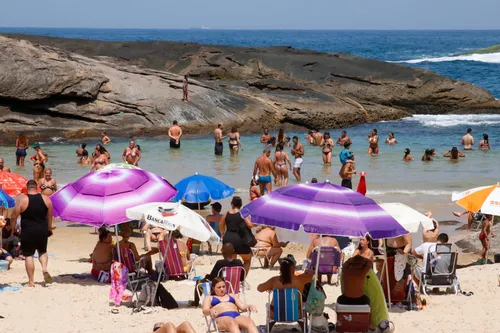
[484, 144]
[407, 156]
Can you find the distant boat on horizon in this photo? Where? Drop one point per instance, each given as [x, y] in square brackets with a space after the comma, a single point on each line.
[203, 27]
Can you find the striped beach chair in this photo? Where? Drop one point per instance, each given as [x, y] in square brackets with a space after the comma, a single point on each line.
[233, 277]
[285, 307]
[330, 257]
[136, 278]
[173, 261]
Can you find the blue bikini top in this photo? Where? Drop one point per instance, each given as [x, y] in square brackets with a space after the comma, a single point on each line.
[216, 301]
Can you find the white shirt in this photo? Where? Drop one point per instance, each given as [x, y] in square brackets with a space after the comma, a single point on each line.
[423, 250]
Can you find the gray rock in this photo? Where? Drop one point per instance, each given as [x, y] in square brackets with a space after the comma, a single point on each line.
[80, 87]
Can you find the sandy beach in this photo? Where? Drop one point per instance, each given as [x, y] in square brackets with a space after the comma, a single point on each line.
[82, 305]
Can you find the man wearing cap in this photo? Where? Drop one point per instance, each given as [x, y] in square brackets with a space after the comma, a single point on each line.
[36, 225]
[214, 219]
[264, 166]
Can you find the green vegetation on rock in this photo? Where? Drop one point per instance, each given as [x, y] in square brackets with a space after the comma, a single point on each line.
[491, 49]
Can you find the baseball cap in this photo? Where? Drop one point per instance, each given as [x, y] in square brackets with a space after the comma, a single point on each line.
[217, 206]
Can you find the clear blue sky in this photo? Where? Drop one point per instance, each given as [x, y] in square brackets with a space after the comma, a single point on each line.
[253, 14]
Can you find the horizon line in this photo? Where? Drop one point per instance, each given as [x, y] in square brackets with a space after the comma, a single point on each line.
[252, 29]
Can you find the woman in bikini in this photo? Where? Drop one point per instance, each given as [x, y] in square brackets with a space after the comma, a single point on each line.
[327, 145]
[234, 141]
[99, 149]
[22, 145]
[391, 139]
[454, 154]
[102, 256]
[254, 190]
[100, 160]
[47, 184]
[225, 309]
[280, 161]
[130, 153]
[183, 251]
[407, 157]
[373, 143]
[484, 144]
[38, 170]
[365, 249]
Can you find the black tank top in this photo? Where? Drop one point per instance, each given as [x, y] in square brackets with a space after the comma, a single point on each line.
[233, 222]
[34, 218]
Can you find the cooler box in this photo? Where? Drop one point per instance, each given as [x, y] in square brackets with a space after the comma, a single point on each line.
[4, 265]
[352, 318]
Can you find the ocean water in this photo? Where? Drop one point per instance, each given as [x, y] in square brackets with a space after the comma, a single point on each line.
[422, 185]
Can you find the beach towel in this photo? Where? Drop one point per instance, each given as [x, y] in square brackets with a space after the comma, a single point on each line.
[10, 288]
[119, 280]
[399, 266]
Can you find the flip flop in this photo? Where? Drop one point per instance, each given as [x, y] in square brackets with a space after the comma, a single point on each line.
[115, 311]
[47, 278]
[465, 293]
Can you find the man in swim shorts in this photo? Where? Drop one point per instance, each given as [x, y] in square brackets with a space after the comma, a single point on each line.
[468, 140]
[298, 153]
[175, 133]
[343, 139]
[346, 171]
[36, 227]
[263, 167]
[219, 147]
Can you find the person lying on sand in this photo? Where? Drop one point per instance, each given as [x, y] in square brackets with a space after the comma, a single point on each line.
[169, 327]
[225, 309]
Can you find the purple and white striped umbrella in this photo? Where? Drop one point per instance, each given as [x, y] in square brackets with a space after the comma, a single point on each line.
[323, 208]
[101, 198]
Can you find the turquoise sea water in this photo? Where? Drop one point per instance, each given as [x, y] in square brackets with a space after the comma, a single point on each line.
[421, 185]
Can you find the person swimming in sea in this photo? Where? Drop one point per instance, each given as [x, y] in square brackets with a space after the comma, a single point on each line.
[454, 154]
[428, 155]
[484, 144]
[391, 139]
[407, 156]
[131, 154]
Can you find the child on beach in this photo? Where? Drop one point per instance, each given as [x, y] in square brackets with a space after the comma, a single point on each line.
[484, 235]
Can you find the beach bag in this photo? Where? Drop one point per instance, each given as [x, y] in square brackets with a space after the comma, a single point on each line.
[246, 235]
[315, 303]
[165, 299]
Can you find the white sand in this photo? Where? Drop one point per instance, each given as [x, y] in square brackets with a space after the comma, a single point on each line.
[71, 305]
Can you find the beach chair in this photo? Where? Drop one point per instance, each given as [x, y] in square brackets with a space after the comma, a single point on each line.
[136, 276]
[212, 326]
[330, 256]
[440, 269]
[232, 276]
[284, 307]
[352, 318]
[261, 253]
[173, 261]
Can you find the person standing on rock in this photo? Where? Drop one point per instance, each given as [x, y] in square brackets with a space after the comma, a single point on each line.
[175, 133]
[36, 225]
[468, 140]
[219, 147]
[264, 138]
[185, 89]
[298, 153]
[263, 168]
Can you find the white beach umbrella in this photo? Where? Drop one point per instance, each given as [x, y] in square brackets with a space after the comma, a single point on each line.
[118, 166]
[172, 216]
[408, 217]
[485, 199]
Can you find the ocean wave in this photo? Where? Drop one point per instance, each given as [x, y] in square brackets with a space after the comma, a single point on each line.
[449, 120]
[492, 58]
[410, 192]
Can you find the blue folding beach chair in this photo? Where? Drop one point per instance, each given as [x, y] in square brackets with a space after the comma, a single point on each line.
[285, 307]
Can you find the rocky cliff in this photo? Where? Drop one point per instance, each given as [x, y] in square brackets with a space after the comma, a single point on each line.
[79, 87]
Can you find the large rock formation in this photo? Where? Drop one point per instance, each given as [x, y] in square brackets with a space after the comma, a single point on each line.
[78, 87]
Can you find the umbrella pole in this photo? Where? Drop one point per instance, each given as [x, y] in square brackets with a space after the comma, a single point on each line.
[488, 250]
[315, 281]
[163, 256]
[387, 278]
[118, 244]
